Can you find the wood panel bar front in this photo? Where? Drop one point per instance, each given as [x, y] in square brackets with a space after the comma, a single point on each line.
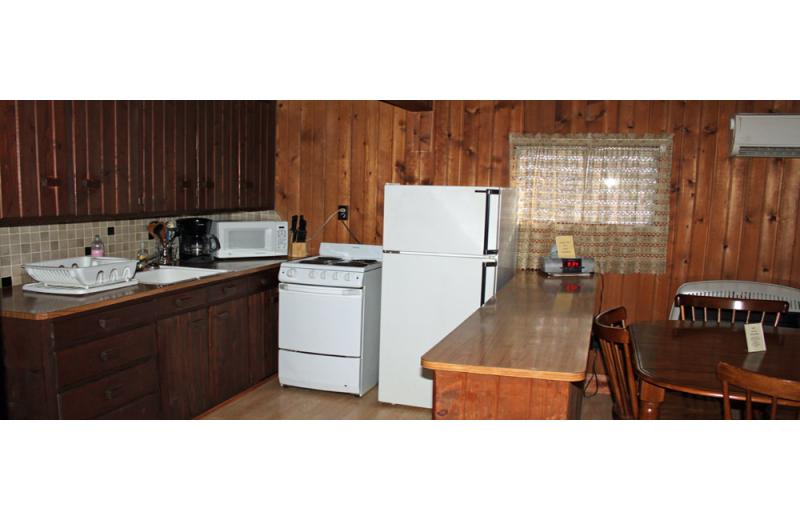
[520, 356]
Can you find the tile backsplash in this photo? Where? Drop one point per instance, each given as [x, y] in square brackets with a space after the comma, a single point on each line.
[122, 238]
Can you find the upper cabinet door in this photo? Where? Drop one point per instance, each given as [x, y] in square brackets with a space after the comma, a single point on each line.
[63, 161]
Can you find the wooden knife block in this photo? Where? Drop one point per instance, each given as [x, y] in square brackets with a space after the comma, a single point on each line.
[297, 250]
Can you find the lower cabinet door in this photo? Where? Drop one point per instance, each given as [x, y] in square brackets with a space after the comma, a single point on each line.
[183, 353]
[229, 351]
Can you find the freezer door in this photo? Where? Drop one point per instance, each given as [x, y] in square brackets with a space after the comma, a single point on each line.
[441, 219]
[424, 298]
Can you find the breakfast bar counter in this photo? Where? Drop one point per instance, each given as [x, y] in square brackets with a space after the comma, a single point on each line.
[520, 356]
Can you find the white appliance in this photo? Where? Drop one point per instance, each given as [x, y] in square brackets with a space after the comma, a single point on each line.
[251, 239]
[765, 135]
[447, 250]
[329, 319]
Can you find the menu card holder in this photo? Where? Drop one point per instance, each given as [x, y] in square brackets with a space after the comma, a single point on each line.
[754, 333]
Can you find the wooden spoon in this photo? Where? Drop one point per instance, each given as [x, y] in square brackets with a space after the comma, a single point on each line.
[157, 229]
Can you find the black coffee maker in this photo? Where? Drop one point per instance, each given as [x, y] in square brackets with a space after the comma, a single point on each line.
[196, 241]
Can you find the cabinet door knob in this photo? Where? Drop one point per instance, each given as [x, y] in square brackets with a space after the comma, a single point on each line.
[180, 302]
[229, 290]
[113, 393]
[110, 354]
[108, 324]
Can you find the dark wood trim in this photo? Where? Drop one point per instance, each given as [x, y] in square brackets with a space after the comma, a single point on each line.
[413, 106]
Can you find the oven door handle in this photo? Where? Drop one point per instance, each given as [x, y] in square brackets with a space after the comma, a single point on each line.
[319, 291]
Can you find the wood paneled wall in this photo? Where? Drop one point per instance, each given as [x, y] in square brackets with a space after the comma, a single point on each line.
[730, 218]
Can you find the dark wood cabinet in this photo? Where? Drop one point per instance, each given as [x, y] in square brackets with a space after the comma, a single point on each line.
[65, 161]
[184, 365]
[263, 322]
[174, 355]
[228, 331]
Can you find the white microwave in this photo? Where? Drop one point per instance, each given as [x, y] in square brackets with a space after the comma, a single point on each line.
[251, 239]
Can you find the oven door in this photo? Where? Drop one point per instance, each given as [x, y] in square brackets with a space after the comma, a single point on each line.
[320, 320]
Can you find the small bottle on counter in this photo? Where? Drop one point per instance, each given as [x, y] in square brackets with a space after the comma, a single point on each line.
[98, 248]
[142, 254]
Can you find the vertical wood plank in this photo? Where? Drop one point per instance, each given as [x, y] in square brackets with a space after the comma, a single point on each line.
[371, 174]
[441, 141]
[469, 152]
[385, 166]
[316, 213]
[513, 398]
[331, 168]
[46, 160]
[480, 397]
[448, 394]
[720, 195]
[9, 165]
[122, 157]
[455, 152]
[135, 154]
[345, 144]
[28, 159]
[499, 153]
[108, 156]
[358, 170]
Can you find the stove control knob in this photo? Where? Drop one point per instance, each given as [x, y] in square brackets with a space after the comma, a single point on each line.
[291, 272]
[322, 275]
[312, 274]
[346, 277]
[335, 275]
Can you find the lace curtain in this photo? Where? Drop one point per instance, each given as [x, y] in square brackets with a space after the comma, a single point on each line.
[610, 192]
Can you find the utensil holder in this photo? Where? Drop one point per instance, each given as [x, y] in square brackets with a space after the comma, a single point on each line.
[298, 250]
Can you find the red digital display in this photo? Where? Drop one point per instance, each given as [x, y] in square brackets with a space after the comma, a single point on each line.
[572, 263]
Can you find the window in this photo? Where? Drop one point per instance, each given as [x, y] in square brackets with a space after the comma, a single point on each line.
[610, 192]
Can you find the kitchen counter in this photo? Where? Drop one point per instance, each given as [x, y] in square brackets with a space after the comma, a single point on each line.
[15, 302]
[522, 355]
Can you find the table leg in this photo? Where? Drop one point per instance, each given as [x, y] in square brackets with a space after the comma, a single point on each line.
[650, 399]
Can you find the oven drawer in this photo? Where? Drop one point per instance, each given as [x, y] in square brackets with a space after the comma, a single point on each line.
[320, 320]
[330, 373]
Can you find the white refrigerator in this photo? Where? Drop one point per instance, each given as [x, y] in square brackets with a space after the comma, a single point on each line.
[446, 251]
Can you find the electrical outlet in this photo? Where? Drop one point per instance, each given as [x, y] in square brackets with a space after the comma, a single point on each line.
[344, 211]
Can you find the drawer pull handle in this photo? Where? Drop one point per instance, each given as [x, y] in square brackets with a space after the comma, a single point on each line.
[180, 302]
[196, 323]
[113, 393]
[108, 324]
[229, 290]
[110, 355]
[222, 315]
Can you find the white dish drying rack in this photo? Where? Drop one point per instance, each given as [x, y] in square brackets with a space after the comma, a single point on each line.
[83, 272]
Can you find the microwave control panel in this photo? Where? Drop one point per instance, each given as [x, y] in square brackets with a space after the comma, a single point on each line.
[282, 237]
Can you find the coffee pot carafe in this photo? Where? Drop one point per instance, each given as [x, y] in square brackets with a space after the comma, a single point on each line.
[196, 241]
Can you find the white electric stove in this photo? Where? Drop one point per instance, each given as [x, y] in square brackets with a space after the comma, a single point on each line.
[329, 319]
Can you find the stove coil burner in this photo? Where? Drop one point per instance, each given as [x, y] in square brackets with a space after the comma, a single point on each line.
[321, 260]
[356, 263]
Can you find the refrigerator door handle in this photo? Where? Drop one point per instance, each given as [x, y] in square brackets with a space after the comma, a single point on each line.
[487, 280]
[491, 192]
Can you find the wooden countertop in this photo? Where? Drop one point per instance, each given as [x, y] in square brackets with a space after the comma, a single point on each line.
[15, 302]
[536, 327]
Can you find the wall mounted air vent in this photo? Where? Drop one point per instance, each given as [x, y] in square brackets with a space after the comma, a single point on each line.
[765, 135]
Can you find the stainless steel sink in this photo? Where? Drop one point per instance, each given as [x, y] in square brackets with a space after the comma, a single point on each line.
[168, 275]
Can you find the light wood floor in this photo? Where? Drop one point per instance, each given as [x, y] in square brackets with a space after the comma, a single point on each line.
[271, 401]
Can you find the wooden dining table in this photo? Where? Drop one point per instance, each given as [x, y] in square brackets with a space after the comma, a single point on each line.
[683, 356]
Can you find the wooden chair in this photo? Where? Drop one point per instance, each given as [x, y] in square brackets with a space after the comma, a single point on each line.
[754, 382]
[615, 344]
[694, 301]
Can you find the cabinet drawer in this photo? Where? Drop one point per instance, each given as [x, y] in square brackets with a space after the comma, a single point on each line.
[181, 302]
[102, 322]
[105, 354]
[146, 408]
[114, 391]
[230, 289]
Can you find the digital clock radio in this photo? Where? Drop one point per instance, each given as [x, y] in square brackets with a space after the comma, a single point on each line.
[567, 265]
